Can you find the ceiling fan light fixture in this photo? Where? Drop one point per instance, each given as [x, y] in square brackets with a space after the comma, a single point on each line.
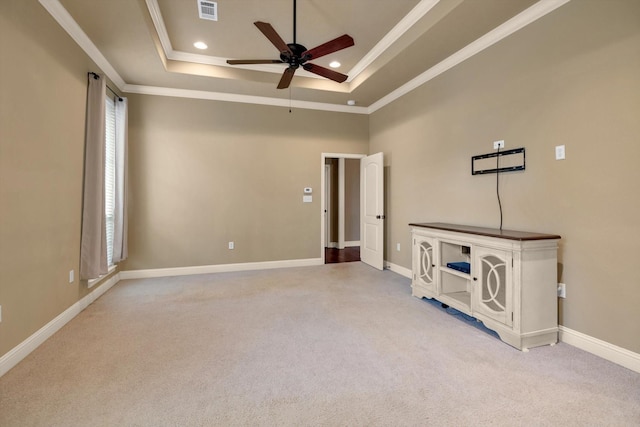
[200, 45]
[335, 64]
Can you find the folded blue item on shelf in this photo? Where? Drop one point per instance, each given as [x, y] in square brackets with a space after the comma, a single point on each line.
[464, 267]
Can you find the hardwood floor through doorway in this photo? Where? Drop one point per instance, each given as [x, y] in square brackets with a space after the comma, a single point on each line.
[348, 254]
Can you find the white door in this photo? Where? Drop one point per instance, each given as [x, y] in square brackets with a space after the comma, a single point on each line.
[372, 213]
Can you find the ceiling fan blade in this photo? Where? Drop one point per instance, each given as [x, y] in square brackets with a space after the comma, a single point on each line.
[334, 45]
[253, 61]
[325, 72]
[273, 37]
[286, 78]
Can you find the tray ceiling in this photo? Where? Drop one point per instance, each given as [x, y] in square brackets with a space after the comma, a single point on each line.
[148, 44]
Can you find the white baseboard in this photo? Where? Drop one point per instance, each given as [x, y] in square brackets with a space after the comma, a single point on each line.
[610, 352]
[334, 245]
[222, 268]
[403, 271]
[22, 350]
[603, 349]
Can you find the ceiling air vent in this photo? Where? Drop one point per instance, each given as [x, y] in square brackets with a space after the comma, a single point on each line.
[208, 10]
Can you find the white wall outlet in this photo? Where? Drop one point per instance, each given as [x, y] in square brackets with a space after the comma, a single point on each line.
[498, 144]
[562, 290]
[232, 245]
[560, 154]
[398, 247]
[71, 276]
[307, 199]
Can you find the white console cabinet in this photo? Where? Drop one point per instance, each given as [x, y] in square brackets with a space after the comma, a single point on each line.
[506, 279]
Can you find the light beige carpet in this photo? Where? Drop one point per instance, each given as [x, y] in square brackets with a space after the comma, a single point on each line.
[335, 345]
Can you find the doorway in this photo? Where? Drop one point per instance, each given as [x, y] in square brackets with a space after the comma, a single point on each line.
[335, 255]
[370, 201]
[341, 208]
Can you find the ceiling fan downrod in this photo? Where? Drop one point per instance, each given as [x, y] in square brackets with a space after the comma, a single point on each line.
[294, 21]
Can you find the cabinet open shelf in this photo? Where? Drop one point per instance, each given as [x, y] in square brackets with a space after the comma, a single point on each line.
[455, 273]
[456, 285]
[455, 298]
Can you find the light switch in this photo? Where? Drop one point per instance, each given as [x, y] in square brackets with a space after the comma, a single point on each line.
[307, 199]
[560, 154]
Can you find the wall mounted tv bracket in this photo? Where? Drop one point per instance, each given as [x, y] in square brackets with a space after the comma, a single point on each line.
[507, 161]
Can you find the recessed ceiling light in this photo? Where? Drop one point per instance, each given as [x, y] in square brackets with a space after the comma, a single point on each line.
[200, 45]
[334, 64]
[351, 102]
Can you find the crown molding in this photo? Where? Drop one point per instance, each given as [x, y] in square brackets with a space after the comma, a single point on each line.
[391, 37]
[528, 16]
[245, 99]
[177, 55]
[532, 14]
[158, 23]
[64, 19]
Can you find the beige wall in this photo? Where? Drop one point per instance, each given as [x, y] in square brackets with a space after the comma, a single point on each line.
[43, 86]
[204, 173]
[570, 78]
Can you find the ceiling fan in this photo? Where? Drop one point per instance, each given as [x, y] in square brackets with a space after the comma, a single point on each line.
[296, 55]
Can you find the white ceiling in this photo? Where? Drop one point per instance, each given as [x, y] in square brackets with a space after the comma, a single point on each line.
[146, 46]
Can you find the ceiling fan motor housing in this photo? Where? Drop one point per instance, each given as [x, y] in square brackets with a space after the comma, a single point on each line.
[296, 59]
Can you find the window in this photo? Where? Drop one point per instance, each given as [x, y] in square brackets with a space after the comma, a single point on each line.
[104, 207]
[110, 173]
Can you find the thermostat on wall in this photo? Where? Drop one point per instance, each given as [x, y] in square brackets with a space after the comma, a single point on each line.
[307, 190]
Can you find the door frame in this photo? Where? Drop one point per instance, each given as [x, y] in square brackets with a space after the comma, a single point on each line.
[325, 156]
[327, 210]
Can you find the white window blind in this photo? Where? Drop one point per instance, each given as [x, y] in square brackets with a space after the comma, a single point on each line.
[109, 172]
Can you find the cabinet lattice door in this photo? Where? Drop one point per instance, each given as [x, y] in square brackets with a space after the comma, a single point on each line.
[493, 273]
[425, 264]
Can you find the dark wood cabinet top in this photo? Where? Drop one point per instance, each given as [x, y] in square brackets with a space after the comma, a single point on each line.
[490, 232]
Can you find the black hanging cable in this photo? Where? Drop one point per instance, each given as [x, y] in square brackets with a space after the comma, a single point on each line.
[498, 184]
